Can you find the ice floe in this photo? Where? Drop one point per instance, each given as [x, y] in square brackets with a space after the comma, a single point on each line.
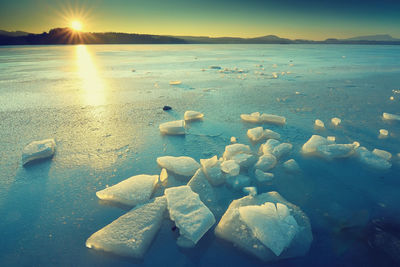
[256, 117]
[372, 159]
[391, 117]
[175, 82]
[336, 121]
[212, 169]
[383, 133]
[235, 149]
[250, 190]
[280, 237]
[189, 213]
[291, 165]
[173, 127]
[263, 176]
[382, 153]
[258, 133]
[132, 191]
[191, 115]
[276, 148]
[319, 124]
[131, 234]
[38, 150]
[230, 167]
[184, 166]
[266, 162]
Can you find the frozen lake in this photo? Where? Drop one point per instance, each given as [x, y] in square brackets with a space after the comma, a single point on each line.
[104, 117]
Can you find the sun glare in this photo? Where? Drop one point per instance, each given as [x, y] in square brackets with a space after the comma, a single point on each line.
[76, 25]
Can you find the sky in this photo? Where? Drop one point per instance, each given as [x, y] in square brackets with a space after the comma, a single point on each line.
[294, 19]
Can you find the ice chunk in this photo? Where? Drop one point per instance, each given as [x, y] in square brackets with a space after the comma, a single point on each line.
[250, 190]
[131, 234]
[319, 124]
[184, 166]
[392, 117]
[132, 191]
[310, 147]
[190, 215]
[291, 165]
[382, 153]
[238, 182]
[232, 228]
[173, 127]
[244, 160]
[263, 176]
[272, 225]
[282, 150]
[163, 176]
[336, 121]
[274, 119]
[235, 149]
[175, 82]
[266, 162]
[255, 134]
[372, 160]
[383, 133]
[233, 140]
[200, 185]
[38, 150]
[269, 146]
[254, 117]
[192, 115]
[230, 167]
[331, 138]
[269, 134]
[212, 169]
[333, 151]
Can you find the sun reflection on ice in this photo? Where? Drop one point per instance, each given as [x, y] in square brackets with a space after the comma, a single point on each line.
[92, 84]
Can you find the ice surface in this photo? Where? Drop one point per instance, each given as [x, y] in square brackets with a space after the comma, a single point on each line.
[255, 134]
[238, 182]
[230, 167]
[189, 213]
[263, 176]
[183, 165]
[266, 162]
[275, 229]
[131, 234]
[392, 117]
[382, 153]
[291, 165]
[212, 169]
[336, 121]
[233, 229]
[132, 191]
[173, 127]
[38, 150]
[319, 124]
[192, 115]
[200, 185]
[372, 159]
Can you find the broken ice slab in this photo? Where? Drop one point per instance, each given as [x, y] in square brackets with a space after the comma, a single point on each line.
[175, 82]
[191, 115]
[391, 117]
[336, 121]
[256, 117]
[331, 138]
[230, 167]
[372, 160]
[38, 150]
[274, 147]
[163, 176]
[382, 153]
[270, 223]
[184, 166]
[200, 185]
[238, 182]
[334, 151]
[258, 133]
[319, 124]
[212, 169]
[131, 234]
[383, 133]
[173, 127]
[291, 166]
[263, 176]
[233, 229]
[250, 190]
[233, 140]
[132, 191]
[189, 213]
[266, 162]
[235, 149]
[269, 134]
[310, 147]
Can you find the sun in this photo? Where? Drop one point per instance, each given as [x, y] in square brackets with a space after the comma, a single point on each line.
[76, 25]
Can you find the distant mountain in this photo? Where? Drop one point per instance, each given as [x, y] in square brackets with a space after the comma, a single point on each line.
[15, 34]
[378, 37]
[68, 36]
